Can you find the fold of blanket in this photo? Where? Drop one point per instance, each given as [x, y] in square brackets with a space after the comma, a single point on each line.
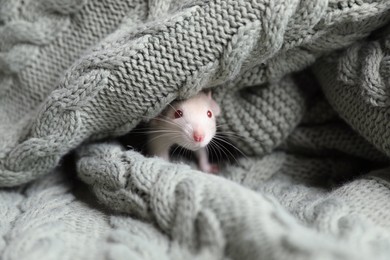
[313, 184]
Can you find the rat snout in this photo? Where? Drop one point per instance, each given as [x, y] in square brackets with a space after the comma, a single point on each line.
[198, 136]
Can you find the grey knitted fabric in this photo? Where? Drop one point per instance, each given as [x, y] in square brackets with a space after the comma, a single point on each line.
[314, 183]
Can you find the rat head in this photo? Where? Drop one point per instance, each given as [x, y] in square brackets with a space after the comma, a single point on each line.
[193, 120]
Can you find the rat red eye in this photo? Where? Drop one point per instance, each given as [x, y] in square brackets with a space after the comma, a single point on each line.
[209, 114]
[178, 113]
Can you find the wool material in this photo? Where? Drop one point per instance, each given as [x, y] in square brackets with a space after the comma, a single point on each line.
[305, 84]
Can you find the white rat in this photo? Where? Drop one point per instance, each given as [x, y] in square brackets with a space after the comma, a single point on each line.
[189, 123]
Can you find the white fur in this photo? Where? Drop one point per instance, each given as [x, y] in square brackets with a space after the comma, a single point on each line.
[168, 130]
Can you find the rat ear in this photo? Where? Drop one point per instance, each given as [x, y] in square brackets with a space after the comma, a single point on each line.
[214, 106]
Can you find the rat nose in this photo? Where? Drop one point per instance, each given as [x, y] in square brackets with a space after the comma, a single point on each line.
[198, 136]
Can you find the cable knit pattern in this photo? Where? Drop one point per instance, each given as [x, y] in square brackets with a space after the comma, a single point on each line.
[144, 70]
[50, 223]
[305, 84]
[361, 91]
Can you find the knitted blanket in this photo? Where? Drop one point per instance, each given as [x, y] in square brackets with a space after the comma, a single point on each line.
[305, 84]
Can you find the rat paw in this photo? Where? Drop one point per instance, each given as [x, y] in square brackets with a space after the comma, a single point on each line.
[210, 168]
[214, 168]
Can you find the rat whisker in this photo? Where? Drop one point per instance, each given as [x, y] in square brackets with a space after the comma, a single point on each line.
[184, 150]
[164, 131]
[177, 146]
[188, 145]
[146, 129]
[160, 118]
[216, 151]
[221, 128]
[219, 153]
[177, 137]
[221, 125]
[158, 136]
[148, 141]
[230, 132]
[241, 137]
[170, 122]
[233, 136]
[232, 145]
[231, 154]
[172, 107]
[226, 149]
[222, 150]
[210, 149]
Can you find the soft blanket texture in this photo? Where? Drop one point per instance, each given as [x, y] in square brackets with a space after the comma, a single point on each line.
[306, 84]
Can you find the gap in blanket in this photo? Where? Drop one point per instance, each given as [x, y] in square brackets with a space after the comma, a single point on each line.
[137, 140]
